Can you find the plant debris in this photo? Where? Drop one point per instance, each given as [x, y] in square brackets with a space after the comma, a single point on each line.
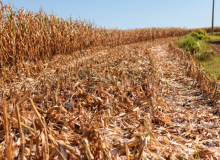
[133, 101]
[70, 91]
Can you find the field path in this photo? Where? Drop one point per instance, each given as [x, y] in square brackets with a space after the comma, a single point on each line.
[189, 121]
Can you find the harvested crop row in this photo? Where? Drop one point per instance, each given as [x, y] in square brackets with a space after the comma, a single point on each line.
[113, 103]
[100, 107]
[189, 117]
[198, 75]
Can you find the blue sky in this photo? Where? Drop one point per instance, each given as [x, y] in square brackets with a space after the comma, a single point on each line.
[130, 14]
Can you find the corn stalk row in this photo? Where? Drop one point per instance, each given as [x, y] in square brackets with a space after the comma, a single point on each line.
[25, 35]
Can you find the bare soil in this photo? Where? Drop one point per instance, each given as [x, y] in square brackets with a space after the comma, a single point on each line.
[215, 45]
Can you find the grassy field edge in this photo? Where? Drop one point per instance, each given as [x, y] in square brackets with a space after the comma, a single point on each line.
[197, 44]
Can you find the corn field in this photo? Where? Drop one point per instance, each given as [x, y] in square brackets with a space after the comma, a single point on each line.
[69, 90]
[33, 36]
